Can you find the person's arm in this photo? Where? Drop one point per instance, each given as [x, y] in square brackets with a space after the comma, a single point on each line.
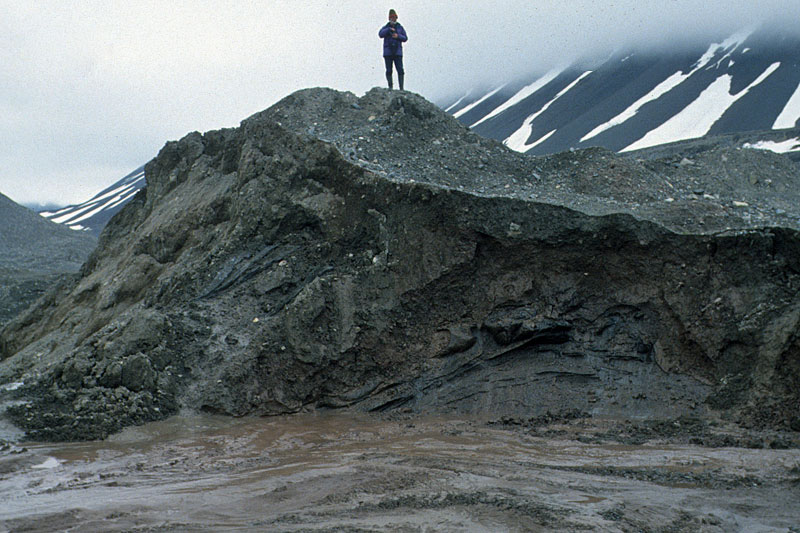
[384, 32]
[401, 33]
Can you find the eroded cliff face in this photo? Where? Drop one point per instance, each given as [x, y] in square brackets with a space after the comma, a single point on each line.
[374, 254]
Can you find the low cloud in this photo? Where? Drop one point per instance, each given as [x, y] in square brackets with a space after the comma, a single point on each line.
[504, 39]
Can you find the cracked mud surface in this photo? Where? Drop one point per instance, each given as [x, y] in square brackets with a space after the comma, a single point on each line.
[325, 472]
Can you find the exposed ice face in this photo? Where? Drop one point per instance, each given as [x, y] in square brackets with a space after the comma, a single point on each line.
[49, 463]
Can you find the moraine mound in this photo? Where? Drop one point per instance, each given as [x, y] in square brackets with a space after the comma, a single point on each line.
[372, 253]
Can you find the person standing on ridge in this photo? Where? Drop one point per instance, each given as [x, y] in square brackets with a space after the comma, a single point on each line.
[393, 35]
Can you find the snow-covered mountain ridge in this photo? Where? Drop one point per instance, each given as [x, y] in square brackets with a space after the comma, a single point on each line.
[747, 82]
[92, 215]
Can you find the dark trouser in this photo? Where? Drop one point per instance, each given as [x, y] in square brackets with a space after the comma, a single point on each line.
[398, 62]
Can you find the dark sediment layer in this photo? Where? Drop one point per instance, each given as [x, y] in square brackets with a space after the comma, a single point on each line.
[374, 254]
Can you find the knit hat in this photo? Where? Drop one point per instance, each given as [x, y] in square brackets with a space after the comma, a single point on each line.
[392, 13]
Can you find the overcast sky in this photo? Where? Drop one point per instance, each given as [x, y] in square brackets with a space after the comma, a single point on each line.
[90, 90]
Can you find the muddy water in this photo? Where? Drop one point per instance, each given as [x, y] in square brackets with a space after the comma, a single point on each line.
[356, 473]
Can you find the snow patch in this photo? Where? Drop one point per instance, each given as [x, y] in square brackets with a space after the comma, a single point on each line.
[94, 206]
[12, 386]
[477, 102]
[789, 145]
[112, 193]
[122, 191]
[670, 83]
[48, 214]
[731, 44]
[518, 140]
[790, 113]
[697, 118]
[73, 213]
[455, 104]
[541, 139]
[122, 194]
[522, 94]
[661, 89]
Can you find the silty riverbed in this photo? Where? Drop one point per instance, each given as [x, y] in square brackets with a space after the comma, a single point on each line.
[345, 472]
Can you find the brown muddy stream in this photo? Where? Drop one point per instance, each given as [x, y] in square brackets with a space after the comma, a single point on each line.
[344, 472]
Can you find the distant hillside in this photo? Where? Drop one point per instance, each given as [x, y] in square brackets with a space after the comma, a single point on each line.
[35, 253]
[33, 243]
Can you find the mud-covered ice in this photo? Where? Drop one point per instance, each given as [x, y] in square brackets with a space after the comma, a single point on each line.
[50, 462]
[346, 473]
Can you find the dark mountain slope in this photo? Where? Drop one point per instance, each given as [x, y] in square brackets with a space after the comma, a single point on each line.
[28, 241]
[636, 99]
[374, 254]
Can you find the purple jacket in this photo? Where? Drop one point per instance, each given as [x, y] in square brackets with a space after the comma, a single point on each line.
[392, 46]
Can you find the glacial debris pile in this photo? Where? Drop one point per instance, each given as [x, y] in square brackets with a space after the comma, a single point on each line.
[372, 253]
